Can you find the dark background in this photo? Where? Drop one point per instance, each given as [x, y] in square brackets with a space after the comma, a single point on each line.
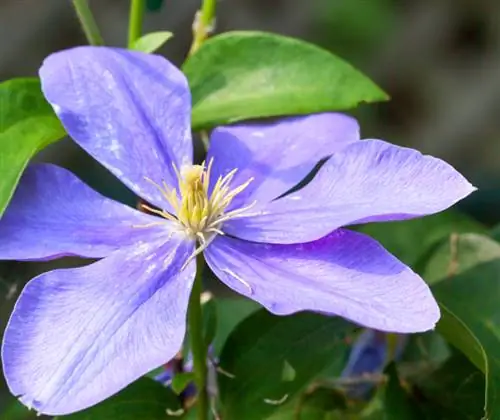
[438, 59]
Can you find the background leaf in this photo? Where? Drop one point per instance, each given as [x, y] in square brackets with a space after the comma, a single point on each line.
[230, 312]
[455, 391]
[397, 403]
[473, 297]
[181, 381]
[256, 350]
[27, 125]
[319, 404]
[17, 411]
[242, 75]
[411, 240]
[145, 399]
[151, 42]
[458, 253]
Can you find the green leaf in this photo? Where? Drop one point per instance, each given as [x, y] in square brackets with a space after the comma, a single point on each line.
[288, 373]
[457, 254]
[471, 322]
[151, 42]
[181, 381]
[455, 331]
[255, 353]
[425, 351]
[455, 391]
[319, 404]
[230, 312]
[411, 240]
[495, 233]
[242, 75]
[27, 125]
[17, 411]
[397, 403]
[209, 308]
[145, 399]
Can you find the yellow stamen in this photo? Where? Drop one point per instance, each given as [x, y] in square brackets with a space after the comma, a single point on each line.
[197, 210]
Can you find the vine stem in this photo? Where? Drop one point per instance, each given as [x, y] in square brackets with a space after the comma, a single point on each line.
[198, 345]
[202, 27]
[203, 24]
[136, 18]
[88, 22]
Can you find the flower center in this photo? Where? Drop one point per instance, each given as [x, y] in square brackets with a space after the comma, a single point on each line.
[198, 210]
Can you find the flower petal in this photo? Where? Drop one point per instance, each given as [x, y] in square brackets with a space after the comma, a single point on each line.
[77, 336]
[345, 273]
[54, 214]
[277, 155]
[369, 356]
[129, 110]
[369, 181]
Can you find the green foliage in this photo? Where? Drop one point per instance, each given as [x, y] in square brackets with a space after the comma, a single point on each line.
[495, 233]
[465, 272]
[398, 405]
[472, 297]
[209, 309]
[255, 353]
[181, 381]
[145, 399]
[27, 125]
[454, 391]
[321, 403]
[412, 240]
[16, 411]
[151, 42]
[457, 254]
[242, 75]
[230, 312]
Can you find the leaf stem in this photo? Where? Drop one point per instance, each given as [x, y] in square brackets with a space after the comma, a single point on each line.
[88, 22]
[203, 24]
[198, 345]
[136, 18]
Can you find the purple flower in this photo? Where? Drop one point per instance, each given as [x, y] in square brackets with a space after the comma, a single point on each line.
[176, 366]
[369, 356]
[79, 335]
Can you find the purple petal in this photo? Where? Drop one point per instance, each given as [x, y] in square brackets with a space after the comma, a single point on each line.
[54, 214]
[345, 273]
[277, 155]
[129, 110]
[77, 336]
[369, 355]
[369, 181]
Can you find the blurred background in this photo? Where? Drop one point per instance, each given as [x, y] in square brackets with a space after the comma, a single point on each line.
[438, 59]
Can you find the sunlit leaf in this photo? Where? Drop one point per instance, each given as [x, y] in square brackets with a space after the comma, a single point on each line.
[151, 42]
[241, 75]
[27, 125]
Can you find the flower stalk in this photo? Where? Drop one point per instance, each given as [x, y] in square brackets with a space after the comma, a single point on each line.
[198, 345]
[88, 22]
[203, 24]
[136, 18]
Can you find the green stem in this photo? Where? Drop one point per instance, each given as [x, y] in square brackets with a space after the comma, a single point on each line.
[88, 22]
[198, 345]
[136, 17]
[203, 24]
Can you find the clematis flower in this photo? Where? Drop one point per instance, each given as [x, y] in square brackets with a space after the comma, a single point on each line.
[77, 336]
[176, 366]
[369, 355]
